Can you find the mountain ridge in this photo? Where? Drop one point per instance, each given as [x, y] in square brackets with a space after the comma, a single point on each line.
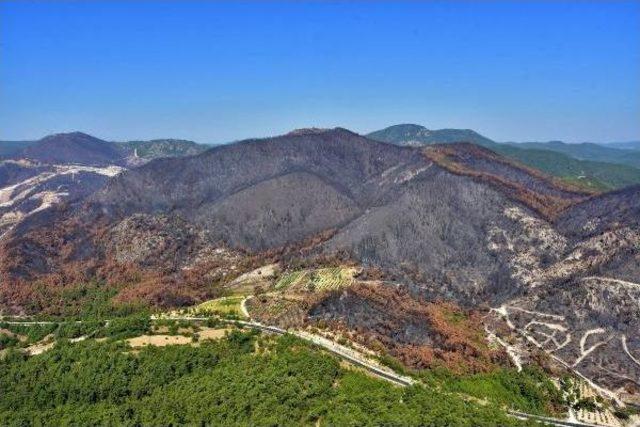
[416, 135]
[596, 168]
[352, 173]
[74, 143]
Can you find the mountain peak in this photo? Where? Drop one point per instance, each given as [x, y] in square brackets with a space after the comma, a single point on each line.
[408, 126]
[73, 148]
[76, 135]
[308, 131]
[416, 135]
[318, 131]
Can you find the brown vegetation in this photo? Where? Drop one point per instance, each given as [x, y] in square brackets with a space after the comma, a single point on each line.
[547, 196]
[387, 319]
[40, 269]
[421, 335]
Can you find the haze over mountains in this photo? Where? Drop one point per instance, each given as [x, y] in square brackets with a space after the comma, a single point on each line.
[453, 221]
[630, 145]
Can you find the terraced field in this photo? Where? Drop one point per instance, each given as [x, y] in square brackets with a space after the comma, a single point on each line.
[289, 279]
[317, 280]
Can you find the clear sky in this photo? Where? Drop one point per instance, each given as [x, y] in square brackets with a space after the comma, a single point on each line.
[215, 72]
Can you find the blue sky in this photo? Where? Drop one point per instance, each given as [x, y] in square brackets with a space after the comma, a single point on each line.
[215, 72]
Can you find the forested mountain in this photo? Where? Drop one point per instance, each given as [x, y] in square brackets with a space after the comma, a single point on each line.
[593, 175]
[590, 151]
[416, 135]
[189, 237]
[157, 148]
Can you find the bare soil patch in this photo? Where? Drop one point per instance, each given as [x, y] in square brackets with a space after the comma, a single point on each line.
[212, 334]
[158, 340]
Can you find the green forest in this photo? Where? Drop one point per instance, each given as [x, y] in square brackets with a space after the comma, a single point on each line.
[243, 379]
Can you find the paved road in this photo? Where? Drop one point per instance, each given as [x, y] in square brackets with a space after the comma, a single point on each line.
[337, 349]
[355, 358]
[243, 307]
[549, 420]
[350, 355]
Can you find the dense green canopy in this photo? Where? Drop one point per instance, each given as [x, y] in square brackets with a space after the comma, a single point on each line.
[240, 380]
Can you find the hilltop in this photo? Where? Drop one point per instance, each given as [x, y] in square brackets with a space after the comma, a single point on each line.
[416, 135]
[158, 148]
[72, 148]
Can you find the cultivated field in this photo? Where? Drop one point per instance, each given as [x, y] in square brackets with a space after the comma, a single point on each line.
[222, 306]
[317, 280]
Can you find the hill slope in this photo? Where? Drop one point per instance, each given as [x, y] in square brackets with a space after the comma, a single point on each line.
[401, 208]
[593, 175]
[54, 170]
[65, 168]
[590, 166]
[27, 188]
[628, 145]
[9, 148]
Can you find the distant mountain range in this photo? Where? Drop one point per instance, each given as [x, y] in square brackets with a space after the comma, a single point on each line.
[80, 148]
[590, 151]
[629, 145]
[592, 166]
[157, 148]
[416, 135]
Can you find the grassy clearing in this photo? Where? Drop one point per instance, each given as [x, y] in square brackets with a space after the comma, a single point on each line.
[158, 340]
[222, 306]
[161, 340]
[30, 336]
